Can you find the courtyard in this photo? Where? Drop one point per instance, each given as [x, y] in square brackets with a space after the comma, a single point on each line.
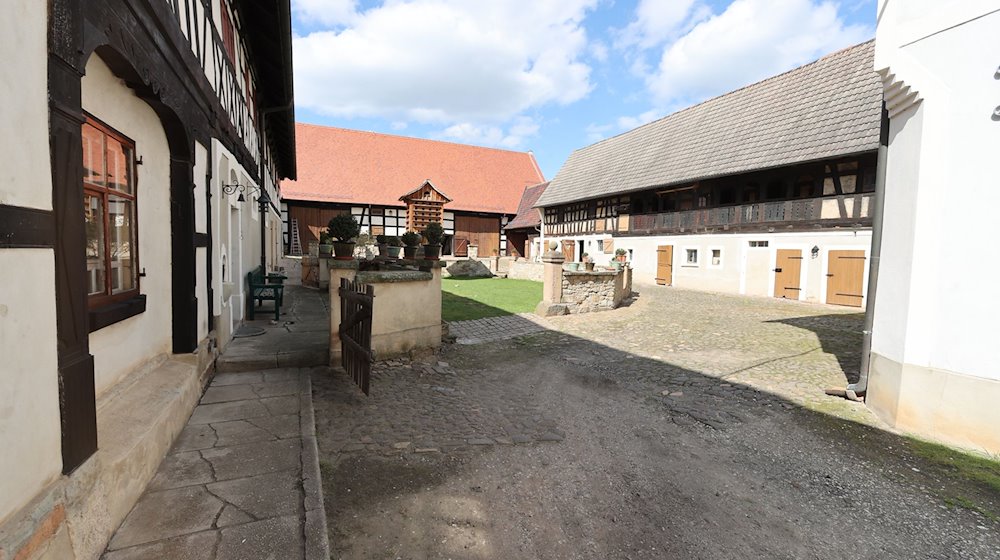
[688, 425]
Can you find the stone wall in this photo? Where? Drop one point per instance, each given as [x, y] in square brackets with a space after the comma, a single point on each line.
[526, 270]
[583, 292]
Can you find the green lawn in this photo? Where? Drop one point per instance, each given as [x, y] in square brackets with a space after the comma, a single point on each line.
[463, 299]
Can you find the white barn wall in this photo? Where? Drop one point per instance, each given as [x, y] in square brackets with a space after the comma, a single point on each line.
[934, 344]
[744, 270]
[29, 392]
[129, 344]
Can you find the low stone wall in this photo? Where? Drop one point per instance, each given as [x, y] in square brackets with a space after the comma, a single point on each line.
[584, 292]
[526, 270]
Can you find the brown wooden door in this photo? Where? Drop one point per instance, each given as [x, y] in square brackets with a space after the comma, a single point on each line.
[787, 271]
[461, 247]
[665, 265]
[845, 278]
[483, 232]
[569, 249]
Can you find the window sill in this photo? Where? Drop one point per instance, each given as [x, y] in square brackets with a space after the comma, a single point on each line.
[110, 314]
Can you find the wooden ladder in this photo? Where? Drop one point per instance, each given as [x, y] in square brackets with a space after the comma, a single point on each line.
[296, 248]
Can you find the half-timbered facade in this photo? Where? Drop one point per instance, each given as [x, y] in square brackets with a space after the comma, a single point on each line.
[767, 190]
[374, 176]
[134, 128]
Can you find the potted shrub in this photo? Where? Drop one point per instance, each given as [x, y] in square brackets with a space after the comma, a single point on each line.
[395, 245]
[434, 234]
[382, 241]
[325, 244]
[344, 229]
[615, 264]
[588, 262]
[411, 242]
[620, 255]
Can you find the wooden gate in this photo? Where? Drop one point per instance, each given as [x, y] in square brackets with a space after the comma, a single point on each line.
[845, 278]
[787, 272]
[665, 265]
[356, 331]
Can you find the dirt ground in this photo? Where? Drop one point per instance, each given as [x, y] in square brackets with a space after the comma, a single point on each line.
[575, 444]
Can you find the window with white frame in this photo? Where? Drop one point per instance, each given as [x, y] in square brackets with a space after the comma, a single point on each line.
[691, 258]
[716, 258]
[758, 244]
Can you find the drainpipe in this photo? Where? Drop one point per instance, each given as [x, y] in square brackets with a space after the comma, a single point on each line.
[857, 390]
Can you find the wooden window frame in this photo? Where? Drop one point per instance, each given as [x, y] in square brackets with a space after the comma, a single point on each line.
[228, 31]
[107, 298]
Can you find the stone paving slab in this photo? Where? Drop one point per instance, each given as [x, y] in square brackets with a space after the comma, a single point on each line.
[242, 480]
[479, 331]
[301, 338]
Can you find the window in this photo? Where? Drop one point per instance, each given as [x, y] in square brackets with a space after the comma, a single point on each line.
[228, 31]
[109, 200]
[692, 257]
[716, 257]
[758, 244]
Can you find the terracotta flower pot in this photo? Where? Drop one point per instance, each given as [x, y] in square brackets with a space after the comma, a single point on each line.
[432, 252]
[343, 250]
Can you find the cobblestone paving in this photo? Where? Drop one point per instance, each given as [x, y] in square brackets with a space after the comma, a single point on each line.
[790, 349]
[682, 426]
[496, 328]
[428, 408]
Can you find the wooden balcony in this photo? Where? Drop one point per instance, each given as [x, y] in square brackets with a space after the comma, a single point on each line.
[791, 215]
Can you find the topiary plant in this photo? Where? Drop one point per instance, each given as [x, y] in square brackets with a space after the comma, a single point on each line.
[434, 233]
[411, 239]
[343, 227]
[393, 241]
[382, 239]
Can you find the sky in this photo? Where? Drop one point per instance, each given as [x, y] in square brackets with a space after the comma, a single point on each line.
[549, 76]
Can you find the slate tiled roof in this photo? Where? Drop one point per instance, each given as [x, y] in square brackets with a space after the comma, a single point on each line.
[357, 167]
[527, 215]
[826, 109]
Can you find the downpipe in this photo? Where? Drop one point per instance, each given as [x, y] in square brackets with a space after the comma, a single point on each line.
[856, 391]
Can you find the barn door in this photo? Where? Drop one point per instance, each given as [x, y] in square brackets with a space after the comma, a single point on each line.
[665, 265]
[569, 249]
[787, 271]
[845, 278]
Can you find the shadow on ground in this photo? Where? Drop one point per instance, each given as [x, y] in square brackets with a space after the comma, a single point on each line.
[838, 335]
[558, 446]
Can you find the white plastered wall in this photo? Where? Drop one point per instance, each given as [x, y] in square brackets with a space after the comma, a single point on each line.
[744, 270]
[127, 345]
[235, 240]
[29, 392]
[934, 342]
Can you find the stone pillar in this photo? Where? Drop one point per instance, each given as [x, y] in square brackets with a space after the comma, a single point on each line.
[552, 278]
[337, 270]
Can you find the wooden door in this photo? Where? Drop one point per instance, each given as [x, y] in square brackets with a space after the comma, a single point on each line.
[483, 232]
[461, 247]
[845, 278]
[569, 249]
[665, 265]
[787, 271]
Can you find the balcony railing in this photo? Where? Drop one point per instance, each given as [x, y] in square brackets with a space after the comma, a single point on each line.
[834, 210]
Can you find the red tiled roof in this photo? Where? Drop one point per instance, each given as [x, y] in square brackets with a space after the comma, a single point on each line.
[357, 167]
[527, 214]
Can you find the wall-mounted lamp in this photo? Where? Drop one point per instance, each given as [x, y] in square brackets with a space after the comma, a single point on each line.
[263, 200]
[815, 251]
[250, 189]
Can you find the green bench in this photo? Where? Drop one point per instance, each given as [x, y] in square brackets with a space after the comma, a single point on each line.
[261, 290]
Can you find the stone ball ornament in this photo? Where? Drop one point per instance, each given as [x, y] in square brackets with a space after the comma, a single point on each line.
[553, 244]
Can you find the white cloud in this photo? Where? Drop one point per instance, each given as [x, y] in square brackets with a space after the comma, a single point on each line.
[628, 122]
[399, 125]
[749, 41]
[446, 61]
[485, 135]
[597, 132]
[325, 12]
[657, 21]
